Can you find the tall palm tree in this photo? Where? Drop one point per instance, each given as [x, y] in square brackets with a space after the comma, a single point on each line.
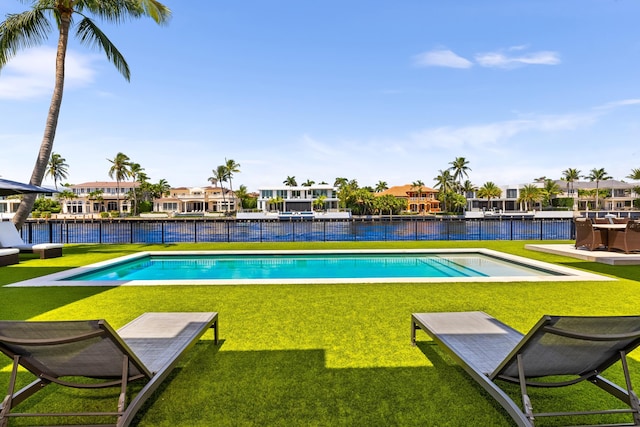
[232, 167]
[220, 175]
[598, 175]
[570, 175]
[31, 28]
[489, 190]
[290, 181]
[57, 168]
[460, 169]
[381, 186]
[120, 169]
[136, 173]
[444, 184]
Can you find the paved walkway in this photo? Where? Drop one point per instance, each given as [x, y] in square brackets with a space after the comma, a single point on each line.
[602, 256]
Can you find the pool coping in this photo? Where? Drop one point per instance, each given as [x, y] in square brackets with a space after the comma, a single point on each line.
[57, 279]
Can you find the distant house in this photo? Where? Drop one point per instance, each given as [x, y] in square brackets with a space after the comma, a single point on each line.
[420, 200]
[197, 200]
[99, 196]
[300, 198]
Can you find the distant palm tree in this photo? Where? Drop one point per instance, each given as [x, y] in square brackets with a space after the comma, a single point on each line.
[570, 175]
[120, 169]
[290, 181]
[161, 188]
[460, 169]
[489, 190]
[308, 183]
[242, 194]
[232, 167]
[57, 168]
[381, 186]
[529, 194]
[340, 182]
[468, 187]
[220, 175]
[598, 175]
[30, 28]
[444, 184]
[136, 172]
[550, 190]
[635, 174]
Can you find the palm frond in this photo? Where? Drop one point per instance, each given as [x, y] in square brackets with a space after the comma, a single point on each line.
[117, 11]
[90, 35]
[23, 30]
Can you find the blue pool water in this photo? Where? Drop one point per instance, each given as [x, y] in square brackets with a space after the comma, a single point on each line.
[310, 266]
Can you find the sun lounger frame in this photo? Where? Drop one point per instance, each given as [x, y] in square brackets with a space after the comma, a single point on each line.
[125, 412]
[525, 417]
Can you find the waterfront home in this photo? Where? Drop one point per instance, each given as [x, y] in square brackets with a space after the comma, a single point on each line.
[297, 199]
[196, 200]
[418, 199]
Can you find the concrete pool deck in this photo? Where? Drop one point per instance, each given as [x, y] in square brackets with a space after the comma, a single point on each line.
[601, 256]
[560, 273]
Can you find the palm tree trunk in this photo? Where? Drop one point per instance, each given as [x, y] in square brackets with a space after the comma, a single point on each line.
[51, 125]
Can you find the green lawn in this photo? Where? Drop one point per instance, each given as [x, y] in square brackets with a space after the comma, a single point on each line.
[320, 355]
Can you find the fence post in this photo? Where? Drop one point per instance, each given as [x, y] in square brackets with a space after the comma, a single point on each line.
[162, 231]
[130, 231]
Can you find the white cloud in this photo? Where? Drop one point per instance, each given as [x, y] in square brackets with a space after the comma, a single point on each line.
[441, 58]
[501, 60]
[616, 104]
[31, 73]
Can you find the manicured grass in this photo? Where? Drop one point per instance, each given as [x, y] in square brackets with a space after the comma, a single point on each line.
[322, 355]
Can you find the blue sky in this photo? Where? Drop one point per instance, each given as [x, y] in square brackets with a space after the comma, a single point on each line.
[367, 90]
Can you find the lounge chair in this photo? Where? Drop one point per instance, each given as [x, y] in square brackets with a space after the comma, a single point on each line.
[627, 239]
[9, 256]
[147, 349]
[589, 237]
[10, 238]
[575, 348]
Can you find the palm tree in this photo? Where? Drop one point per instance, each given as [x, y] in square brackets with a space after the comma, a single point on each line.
[550, 190]
[242, 194]
[381, 186]
[529, 194]
[635, 174]
[308, 183]
[120, 169]
[160, 189]
[340, 182]
[570, 175]
[136, 172]
[598, 175]
[490, 191]
[444, 184]
[30, 28]
[97, 196]
[460, 169]
[232, 167]
[290, 181]
[220, 175]
[57, 168]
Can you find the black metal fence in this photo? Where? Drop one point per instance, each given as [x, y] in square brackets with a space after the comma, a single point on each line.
[230, 230]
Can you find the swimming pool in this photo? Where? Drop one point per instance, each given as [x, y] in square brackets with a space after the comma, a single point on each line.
[284, 267]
